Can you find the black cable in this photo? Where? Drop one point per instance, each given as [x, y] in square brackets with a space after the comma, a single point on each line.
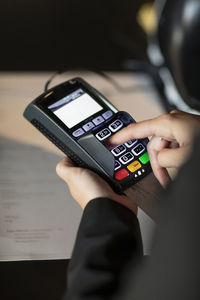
[131, 66]
[103, 75]
[51, 79]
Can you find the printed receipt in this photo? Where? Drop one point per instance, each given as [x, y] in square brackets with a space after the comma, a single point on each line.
[38, 217]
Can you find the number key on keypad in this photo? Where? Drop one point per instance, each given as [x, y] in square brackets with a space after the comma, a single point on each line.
[118, 150]
[103, 134]
[116, 125]
[126, 158]
[130, 143]
[138, 149]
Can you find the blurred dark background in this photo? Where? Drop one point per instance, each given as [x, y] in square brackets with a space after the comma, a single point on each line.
[52, 35]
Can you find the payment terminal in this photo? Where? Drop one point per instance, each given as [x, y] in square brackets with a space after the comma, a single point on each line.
[79, 120]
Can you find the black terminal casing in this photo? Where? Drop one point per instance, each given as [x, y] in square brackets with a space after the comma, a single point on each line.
[87, 151]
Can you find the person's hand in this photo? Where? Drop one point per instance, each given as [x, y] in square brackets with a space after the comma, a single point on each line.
[85, 185]
[171, 142]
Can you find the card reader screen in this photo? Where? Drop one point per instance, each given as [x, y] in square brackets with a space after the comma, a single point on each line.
[75, 108]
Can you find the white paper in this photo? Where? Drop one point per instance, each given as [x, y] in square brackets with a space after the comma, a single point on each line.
[38, 216]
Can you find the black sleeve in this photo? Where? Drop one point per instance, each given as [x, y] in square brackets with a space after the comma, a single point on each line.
[172, 271]
[108, 238]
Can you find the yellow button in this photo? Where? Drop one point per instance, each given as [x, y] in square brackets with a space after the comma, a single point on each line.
[134, 166]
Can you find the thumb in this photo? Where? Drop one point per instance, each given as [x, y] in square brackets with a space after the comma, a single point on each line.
[65, 168]
[175, 157]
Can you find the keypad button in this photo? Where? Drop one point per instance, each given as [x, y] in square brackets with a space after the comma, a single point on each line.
[103, 134]
[144, 158]
[107, 114]
[117, 165]
[134, 166]
[98, 120]
[126, 158]
[78, 132]
[118, 150]
[138, 149]
[88, 126]
[116, 125]
[130, 143]
[121, 174]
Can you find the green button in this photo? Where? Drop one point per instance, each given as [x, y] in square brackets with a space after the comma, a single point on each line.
[144, 158]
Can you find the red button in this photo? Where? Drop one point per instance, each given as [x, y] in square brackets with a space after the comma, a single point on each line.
[121, 174]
